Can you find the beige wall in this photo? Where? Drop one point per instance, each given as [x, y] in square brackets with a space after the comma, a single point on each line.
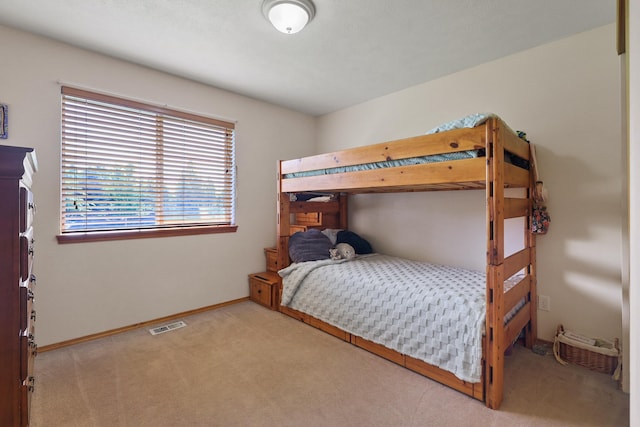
[566, 96]
[93, 287]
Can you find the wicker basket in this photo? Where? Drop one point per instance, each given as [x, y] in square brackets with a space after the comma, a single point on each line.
[602, 357]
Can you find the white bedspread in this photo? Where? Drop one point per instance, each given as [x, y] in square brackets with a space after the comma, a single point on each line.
[431, 312]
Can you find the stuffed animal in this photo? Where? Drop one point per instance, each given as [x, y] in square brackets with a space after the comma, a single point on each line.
[342, 251]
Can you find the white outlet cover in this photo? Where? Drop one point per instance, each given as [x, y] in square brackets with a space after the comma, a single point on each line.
[544, 303]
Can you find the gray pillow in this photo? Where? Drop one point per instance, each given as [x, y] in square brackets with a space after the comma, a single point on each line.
[332, 234]
[310, 245]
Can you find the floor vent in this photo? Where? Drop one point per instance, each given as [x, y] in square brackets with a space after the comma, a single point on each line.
[166, 328]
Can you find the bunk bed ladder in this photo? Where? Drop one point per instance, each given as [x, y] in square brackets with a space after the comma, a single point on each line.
[336, 215]
[494, 364]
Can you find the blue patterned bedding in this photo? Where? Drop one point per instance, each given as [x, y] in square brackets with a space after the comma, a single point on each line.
[469, 121]
[430, 312]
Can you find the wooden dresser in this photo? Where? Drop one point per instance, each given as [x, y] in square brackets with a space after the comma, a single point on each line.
[17, 285]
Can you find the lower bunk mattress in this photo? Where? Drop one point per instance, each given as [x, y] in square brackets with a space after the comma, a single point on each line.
[430, 312]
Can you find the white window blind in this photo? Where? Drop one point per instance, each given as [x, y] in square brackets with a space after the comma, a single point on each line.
[131, 166]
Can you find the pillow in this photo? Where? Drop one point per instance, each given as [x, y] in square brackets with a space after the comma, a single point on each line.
[310, 245]
[332, 234]
[360, 245]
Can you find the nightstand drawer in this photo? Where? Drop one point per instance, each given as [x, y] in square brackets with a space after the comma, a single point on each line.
[294, 228]
[271, 255]
[263, 289]
[312, 218]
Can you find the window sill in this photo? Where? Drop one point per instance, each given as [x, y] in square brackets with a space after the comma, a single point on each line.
[102, 236]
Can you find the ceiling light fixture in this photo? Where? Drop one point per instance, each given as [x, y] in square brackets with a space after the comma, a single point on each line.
[288, 16]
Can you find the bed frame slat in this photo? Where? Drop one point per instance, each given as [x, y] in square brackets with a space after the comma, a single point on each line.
[515, 208]
[516, 293]
[331, 206]
[380, 350]
[472, 389]
[517, 262]
[513, 328]
[424, 145]
[516, 145]
[515, 176]
[455, 171]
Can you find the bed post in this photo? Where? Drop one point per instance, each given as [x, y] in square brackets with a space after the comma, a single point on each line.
[283, 230]
[283, 221]
[531, 331]
[344, 213]
[494, 363]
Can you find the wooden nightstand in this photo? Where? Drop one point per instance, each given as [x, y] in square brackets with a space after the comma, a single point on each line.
[263, 289]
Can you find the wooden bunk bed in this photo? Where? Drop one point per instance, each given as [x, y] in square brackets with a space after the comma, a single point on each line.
[491, 171]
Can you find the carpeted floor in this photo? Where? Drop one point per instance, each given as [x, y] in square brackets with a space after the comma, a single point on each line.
[243, 365]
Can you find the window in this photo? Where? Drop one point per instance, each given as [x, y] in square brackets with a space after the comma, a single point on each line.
[132, 170]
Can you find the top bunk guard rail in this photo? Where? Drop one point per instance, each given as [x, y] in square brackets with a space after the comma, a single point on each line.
[443, 175]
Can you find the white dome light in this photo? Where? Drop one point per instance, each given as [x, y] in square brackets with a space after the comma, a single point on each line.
[288, 16]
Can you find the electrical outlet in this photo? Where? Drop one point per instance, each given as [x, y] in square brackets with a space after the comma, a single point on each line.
[544, 303]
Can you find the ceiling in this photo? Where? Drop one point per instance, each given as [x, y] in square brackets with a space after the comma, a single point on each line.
[352, 51]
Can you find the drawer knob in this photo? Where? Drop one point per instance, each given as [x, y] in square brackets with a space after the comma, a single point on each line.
[30, 295]
[33, 315]
[31, 385]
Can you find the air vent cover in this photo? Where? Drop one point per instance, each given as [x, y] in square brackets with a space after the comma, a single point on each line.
[166, 328]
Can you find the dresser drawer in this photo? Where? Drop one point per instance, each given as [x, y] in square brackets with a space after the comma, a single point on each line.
[28, 347]
[27, 209]
[263, 289]
[26, 254]
[28, 386]
[27, 310]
